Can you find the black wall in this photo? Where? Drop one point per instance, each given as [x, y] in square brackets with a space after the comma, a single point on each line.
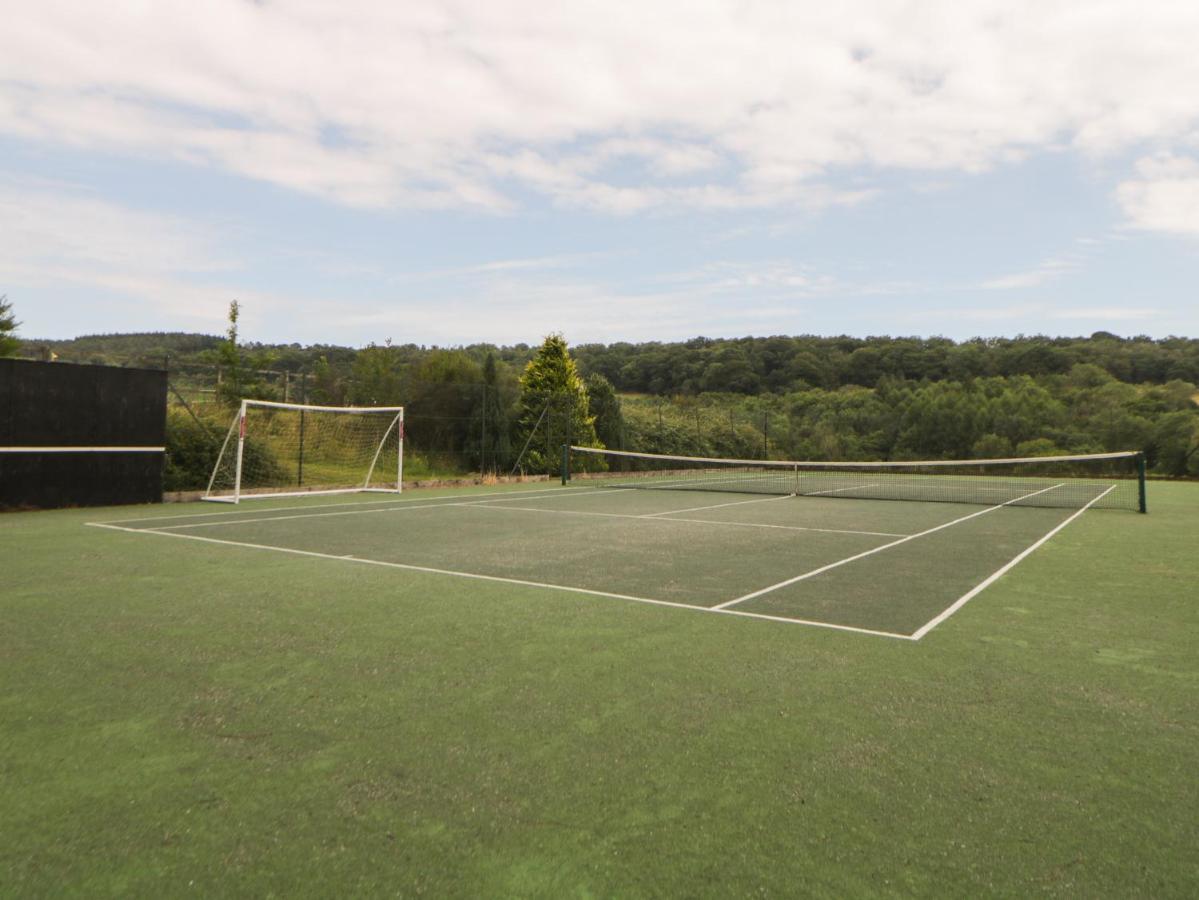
[66, 405]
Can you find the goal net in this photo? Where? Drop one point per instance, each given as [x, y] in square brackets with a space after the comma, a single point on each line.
[289, 449]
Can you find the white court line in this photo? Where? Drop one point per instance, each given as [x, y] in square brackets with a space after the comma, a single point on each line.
[671, 512]
[655, 483]
[995, 576]
[879, 549]
[303, 513]
[502, 580]
[110, 449]
[856, 487]
[439, 503]
[658, 517]
[514, 494]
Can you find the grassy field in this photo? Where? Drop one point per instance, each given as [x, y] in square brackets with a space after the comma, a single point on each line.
[181, 716]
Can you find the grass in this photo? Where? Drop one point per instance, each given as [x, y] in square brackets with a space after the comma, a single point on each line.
[181, 717]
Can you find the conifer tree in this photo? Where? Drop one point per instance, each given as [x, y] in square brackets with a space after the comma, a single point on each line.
[553, 407]
[603, 403]
[8, 327]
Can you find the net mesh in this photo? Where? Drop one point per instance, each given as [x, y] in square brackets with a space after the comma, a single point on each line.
[291, 448]
[1109, 480]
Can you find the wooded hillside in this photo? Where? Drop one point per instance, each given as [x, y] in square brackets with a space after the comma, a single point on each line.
[784, 397]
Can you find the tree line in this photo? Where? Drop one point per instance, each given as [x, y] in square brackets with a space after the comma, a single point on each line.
[757, 365]
[785, 397]
[1082, 411]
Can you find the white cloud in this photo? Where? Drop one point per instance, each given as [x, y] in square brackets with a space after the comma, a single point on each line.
[748, 278]
[47, 228]
[163, 269]
[1164, 196]
[1105, 313]
[1037, 315]
[443, 103]
[1049, 270]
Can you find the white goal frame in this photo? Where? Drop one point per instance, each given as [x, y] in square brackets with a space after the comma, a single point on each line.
[238, 428]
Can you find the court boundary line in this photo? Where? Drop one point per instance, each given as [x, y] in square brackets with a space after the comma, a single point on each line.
[662, 517]
[1001, 571]
[856, 487]
[903, 540]
[502, 580]
[715, 505]
[559, 491]
[302, 513]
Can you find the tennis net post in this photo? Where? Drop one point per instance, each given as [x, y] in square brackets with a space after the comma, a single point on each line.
[1141, 499]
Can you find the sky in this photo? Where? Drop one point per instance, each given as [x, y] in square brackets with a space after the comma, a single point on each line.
[449, 173]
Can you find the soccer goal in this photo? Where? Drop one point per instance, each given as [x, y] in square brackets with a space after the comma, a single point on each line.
[290, 449]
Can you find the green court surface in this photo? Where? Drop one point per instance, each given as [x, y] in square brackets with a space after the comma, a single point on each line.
[546, 691]
[881, 566]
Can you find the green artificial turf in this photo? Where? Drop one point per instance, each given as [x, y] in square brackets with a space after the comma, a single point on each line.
[180, 717]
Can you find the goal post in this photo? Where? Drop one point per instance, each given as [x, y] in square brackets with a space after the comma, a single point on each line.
[293, 449]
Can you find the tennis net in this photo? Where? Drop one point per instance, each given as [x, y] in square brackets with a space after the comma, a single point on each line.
[1112, 480]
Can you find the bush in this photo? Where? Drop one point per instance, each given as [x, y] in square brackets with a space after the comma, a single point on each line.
[1039, 447]
[191, 453]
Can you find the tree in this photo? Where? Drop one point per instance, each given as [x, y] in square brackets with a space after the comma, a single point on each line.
[496, 443]
[327, 386]
[442, 408]
[376, 376]
[553, 407]
[1175, 446]
[237, 379]
[603, 403]
[8, 328]
[232, 385]
[992, 446]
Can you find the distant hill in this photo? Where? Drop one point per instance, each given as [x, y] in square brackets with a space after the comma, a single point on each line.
[751, 366]
[116, 348]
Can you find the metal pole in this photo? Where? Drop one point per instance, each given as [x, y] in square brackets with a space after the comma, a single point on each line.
[241, 447]
[400, 456]
[1141, 482]
[483, 434]
[300, 471]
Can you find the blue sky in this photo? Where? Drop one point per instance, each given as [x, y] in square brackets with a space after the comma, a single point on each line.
[453, 172]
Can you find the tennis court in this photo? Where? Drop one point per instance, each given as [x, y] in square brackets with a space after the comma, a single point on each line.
[881, 567]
